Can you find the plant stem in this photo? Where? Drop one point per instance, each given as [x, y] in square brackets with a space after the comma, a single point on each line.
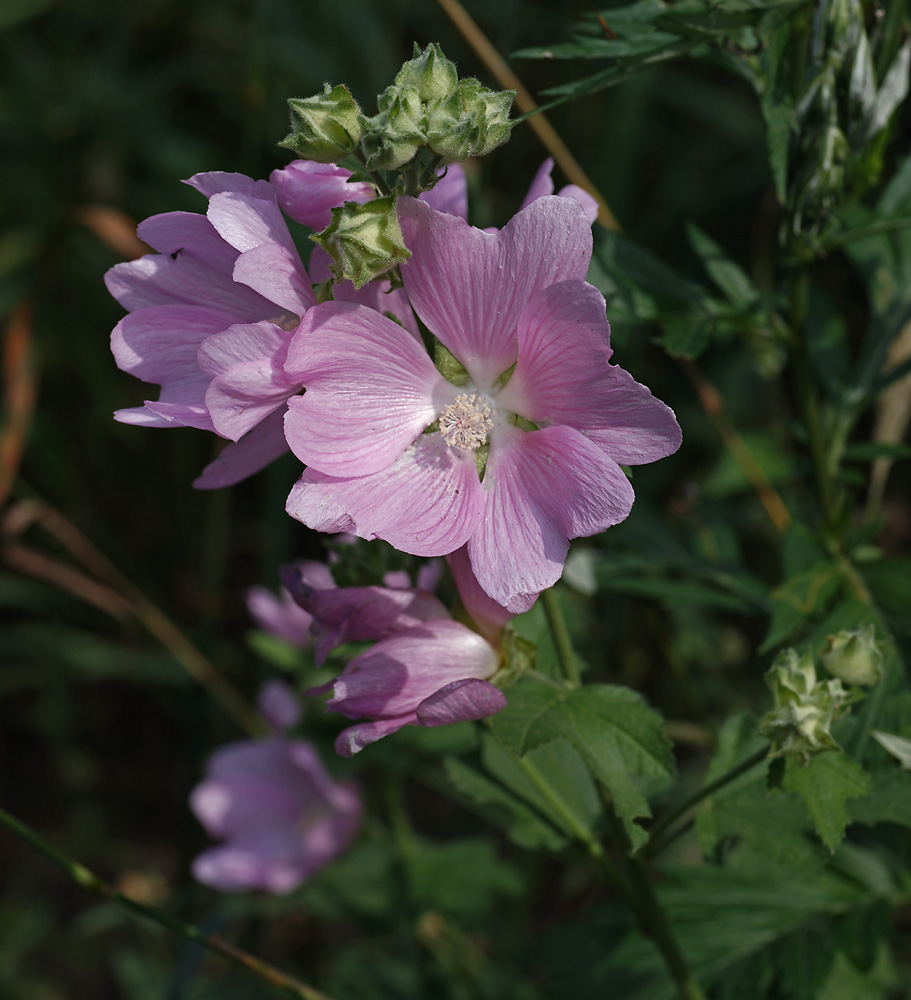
[643, 899]
[560, 634]
[213, 942]
[655, 845]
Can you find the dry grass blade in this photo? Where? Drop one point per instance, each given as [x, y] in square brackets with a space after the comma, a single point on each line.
[113, 227]
[20, 392]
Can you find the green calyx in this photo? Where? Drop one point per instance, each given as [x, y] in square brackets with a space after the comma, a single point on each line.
[326, 127]
[805, 709]
[364, 241]
[448, 365]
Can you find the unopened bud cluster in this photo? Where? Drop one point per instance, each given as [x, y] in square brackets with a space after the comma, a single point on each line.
[800, 724]
[428, 117]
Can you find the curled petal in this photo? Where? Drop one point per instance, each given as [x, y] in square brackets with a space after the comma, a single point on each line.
[427, 504]
[353, 739]
[308, 191]
[461, 701]
[489, 616]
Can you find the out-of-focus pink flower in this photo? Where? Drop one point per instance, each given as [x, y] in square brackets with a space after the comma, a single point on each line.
[280, 815]
[519, 457]
[282, 615]
[425, 669]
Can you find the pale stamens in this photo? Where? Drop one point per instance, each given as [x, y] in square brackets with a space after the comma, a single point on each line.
[466, 422]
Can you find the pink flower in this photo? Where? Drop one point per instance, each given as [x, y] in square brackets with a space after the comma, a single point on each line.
[425, 670]
[282, 616]
[396, 451]
[279, 813]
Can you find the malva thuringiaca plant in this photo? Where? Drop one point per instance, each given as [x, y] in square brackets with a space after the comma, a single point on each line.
[457, 434]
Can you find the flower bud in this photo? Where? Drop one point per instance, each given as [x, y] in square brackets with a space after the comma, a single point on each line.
[325, 127]
[364, 241]
[854, 657]
[478, 125]
[805, 709]
[430, 73]
[392, 137]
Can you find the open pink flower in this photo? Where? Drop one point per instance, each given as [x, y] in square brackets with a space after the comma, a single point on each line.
[520, 456]
[271, 801]
[426, 669]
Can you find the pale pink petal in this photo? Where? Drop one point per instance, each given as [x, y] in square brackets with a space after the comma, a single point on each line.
[542, 488]
[215, 182]
[470, 287]
[278, 274]
[450, 195]
[248, 379]
[195, 267]
[183, 414]
[254, 451]
[281, 616]
[247, 221]
[371, 390]
[484, 611]
[398, 673]
[141, 416]
[638, 427]
[541, 185]
[461, 701]
[308, 191]
[588, 203]
[277, 704]
[160, 343]
[353, 739]
[427, 504]
[564, 351]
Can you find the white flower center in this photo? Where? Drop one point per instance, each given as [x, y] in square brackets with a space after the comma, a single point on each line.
[466, 422]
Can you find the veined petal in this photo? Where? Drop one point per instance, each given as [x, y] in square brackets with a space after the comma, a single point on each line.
[542, 488]
[214, 182]
[638, 428]
[248, 380]
[397, 674]
[564, 350]
[371, 390]
[247, 221]
[277, 274]
[254, 451]
[470, 287]
[427, 504]
[308, 191]
[183, 414]
[461, 701]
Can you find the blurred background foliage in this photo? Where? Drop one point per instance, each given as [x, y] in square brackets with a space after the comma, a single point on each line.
[104, 107]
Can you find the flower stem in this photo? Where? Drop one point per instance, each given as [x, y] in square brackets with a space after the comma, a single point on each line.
[657, 841]
[560, 634]
[213, 942]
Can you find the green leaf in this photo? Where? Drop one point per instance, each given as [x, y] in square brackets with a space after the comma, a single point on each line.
[528, 700]
[621, 740]
[888, 802]
[825, 783]
[804, 595]
[847, 982]
[728, 276]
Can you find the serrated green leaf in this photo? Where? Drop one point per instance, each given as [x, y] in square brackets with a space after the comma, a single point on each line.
[888, 802]
[619, 737]
[825, 783]
[527, 701]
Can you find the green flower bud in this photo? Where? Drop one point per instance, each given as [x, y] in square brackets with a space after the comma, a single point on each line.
[854, 657]
[364, 241]
[325, 127]
[430, 73]
[805, 709]
[392, 137]
[473, 127]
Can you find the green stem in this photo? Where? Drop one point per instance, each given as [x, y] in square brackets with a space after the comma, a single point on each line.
[655, 845]
[651, 918]
[213, 942]
[560, 633]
